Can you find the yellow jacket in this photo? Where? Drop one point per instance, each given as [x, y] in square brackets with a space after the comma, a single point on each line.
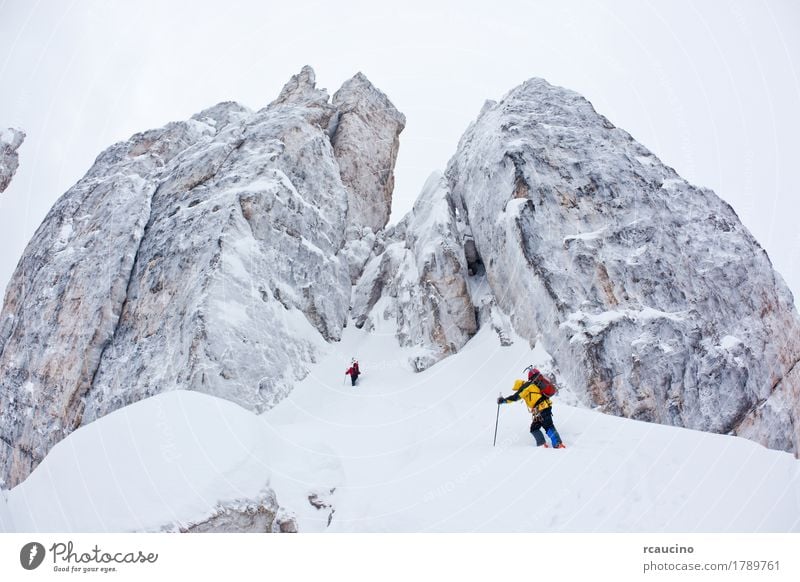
[531, 394]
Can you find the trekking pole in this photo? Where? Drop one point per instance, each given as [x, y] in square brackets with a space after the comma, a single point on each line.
[496, 422]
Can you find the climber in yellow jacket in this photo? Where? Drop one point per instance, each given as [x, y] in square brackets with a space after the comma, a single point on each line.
[532, 392]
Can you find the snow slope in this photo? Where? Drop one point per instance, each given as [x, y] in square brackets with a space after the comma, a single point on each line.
[405, 452]
[414, 453]
[162, 463]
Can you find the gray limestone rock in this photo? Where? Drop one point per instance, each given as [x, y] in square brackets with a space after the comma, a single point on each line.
[204, 255]
[654, 300]
[259, 515]
[419, 282]
[365, 142]
[10, 140]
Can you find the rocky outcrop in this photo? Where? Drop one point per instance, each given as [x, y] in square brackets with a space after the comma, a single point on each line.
[203, 255]
[654, 300]
[418, 280]
[259, 515]
[241, 516]
[301, 91]
[10, 140]
[65, 297]
[365, 138]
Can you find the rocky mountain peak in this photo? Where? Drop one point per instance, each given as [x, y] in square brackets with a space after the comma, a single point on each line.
[206, 255]
[652, 297]
[10, 141]
[202, 255]
[301, 89]
[366, 141]
[358, 92]
[222, 114]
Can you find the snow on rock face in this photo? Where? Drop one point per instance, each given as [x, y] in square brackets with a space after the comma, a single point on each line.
[228, 267]
[10, 140]
[65, 297]
[203, 255]
[365, 137]
[656, 303]
[419, 280]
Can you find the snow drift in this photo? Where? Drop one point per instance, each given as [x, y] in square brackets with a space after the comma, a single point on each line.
[168, 463]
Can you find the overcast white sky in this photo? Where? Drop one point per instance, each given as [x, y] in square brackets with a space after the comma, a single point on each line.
[712, 88]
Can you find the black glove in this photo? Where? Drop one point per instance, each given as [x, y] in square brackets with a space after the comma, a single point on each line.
[501, 400]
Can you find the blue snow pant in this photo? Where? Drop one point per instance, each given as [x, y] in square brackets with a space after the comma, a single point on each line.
[545, 420]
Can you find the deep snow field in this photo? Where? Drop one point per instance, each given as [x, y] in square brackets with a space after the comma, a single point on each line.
[404, 452]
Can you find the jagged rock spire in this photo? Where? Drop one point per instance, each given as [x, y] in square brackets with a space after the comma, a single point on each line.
[301, 89]
[365, 142]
